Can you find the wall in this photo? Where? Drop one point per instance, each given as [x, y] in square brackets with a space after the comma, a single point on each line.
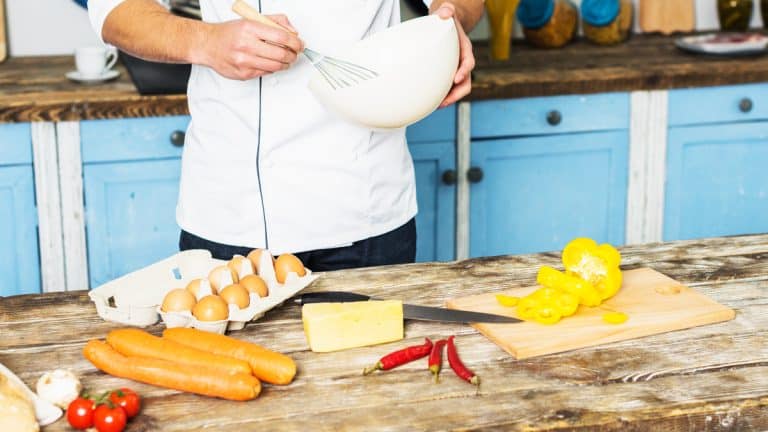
[48, 27]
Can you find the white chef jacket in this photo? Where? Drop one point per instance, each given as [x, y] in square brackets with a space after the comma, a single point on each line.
[266, 166]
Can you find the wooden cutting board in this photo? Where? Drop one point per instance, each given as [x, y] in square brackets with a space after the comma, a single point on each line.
[667, 16]
[654, 302]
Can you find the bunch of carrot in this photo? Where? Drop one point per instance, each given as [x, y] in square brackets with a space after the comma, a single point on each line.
[191, 360]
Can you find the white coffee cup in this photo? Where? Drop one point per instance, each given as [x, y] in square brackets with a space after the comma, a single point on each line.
[92, 62]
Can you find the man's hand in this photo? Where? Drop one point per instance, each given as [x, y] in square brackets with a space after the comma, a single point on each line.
[244, 49]
[462, 81]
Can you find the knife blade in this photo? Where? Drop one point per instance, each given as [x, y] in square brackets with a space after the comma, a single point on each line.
[425, 313]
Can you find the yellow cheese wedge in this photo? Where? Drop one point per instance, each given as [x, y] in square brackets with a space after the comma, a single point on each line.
[339, 326]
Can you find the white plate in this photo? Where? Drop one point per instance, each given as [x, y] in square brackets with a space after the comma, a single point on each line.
[106, 76]
[724, 43]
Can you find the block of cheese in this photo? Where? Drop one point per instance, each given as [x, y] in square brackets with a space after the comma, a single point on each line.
[339, 326]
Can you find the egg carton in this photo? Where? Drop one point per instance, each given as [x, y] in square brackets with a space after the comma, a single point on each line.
[135, 298]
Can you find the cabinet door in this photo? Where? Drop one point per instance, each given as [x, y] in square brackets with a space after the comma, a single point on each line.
[19, 256]
[717, 182]
[435, 222]
[130, 215]
[538, 193]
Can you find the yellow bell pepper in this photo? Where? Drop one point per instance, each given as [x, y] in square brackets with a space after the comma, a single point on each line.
[596, 264]
[591, 275]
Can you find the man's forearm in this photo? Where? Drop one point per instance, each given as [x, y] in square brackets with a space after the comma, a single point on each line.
[468, 12]
[145, 29]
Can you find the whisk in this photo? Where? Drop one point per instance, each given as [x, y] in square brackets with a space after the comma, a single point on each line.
[336, 72]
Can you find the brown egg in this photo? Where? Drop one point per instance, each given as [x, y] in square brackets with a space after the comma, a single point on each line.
[255, 257]
[220, 277]
[211, 308]
[178, 300]
[200, 288]
[237, 295]
[241, 265]
[287, 263]
[255, 284]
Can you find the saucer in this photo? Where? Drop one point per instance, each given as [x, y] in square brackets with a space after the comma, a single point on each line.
[106, 76]
[724, 43]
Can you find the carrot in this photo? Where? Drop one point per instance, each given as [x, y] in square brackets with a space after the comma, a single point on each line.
[267, 365]
[168, 374]
[138, 343]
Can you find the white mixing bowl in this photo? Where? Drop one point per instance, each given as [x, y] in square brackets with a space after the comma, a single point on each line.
[416, 62]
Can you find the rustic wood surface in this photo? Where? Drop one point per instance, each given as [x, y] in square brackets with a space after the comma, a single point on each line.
[709, 378]
[35, 88]
[645, 62]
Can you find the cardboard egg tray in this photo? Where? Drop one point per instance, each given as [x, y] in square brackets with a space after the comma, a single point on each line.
[135, 298]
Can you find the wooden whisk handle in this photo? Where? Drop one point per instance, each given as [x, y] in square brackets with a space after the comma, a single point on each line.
[247, 11]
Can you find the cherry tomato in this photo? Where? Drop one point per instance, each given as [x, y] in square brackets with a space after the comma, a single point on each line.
[80, 413]
[128, 399]
[109, 419]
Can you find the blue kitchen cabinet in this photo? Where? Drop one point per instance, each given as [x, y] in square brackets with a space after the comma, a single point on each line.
[538, 193]
[433, 148]
[717, 182]
[19, 256]
[546, 170]
[131, 171]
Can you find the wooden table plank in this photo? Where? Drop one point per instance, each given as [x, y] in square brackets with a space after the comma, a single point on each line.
[706, 378]
[35, 88]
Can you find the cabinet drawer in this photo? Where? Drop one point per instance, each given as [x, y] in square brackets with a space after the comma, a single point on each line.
[716, 181]
[19, 257]
[536, 193]
[436, 194]
[718, 104]
[438, 126]
[131, 139]
[15, 144]
[550, 115]
[130, 215]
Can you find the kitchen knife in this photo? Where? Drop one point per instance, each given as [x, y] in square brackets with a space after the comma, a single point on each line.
[426, 313]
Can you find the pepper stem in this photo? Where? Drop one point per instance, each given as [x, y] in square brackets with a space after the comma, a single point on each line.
[436, 372]
[372, 369]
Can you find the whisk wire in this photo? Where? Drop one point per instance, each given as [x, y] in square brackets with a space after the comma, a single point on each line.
[338, 73]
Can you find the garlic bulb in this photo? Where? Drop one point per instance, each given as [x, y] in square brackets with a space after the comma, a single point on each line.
[59, 387]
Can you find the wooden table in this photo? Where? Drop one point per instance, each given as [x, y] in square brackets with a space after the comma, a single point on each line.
[35, 89]
[711, 378]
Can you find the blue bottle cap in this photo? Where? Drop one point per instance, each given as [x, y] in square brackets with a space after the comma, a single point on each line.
[534, 14]
[599, 12]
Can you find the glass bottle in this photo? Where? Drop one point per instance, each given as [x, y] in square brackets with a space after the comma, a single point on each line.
[734, 15]
[501, 16]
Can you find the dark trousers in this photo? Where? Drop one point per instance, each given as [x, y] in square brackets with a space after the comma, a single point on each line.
[395, 247]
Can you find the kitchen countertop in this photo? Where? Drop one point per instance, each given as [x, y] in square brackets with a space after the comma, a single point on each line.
[707, 378]
[35, 89]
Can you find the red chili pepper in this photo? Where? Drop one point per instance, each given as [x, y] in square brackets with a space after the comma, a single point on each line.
[436, 358]
[400, 357]
[458, 367]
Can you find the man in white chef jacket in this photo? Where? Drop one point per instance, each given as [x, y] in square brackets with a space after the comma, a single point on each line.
[264, 164]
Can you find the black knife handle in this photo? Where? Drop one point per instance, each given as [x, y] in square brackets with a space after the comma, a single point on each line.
[332, 297]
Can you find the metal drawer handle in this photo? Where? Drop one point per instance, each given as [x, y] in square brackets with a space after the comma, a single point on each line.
[475, 175]
[449, 177]
[177, 138]
[554, 117]
[745, 105]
